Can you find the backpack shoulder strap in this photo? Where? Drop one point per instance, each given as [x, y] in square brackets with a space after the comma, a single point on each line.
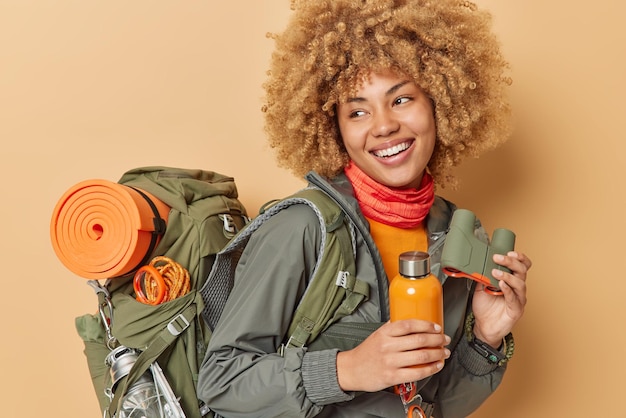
[333, 291]
[163, 340]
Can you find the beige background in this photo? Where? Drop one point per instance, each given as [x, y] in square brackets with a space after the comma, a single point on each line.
[89, 89]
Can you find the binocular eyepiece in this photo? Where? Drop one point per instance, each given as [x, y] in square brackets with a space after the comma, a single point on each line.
[466, 256]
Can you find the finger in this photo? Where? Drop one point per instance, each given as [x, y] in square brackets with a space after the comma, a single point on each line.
[515, 296]
[514, 282]
[411, 326]
[414, 374]
[414, 342]
[424, 357]
[514, 293]
[513, 263]
[523, 258]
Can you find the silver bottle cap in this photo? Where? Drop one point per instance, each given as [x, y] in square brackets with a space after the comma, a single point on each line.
[414, 264]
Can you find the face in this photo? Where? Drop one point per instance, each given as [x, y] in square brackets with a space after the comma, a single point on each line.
[388, 129]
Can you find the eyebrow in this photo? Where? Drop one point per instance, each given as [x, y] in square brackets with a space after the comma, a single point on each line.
[389, 92]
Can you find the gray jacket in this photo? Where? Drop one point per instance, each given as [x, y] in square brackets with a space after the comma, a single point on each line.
[242, 374]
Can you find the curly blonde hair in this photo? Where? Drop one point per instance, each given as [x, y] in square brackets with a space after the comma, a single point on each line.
[329, 46]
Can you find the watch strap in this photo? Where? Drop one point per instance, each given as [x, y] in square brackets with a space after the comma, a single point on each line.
[494, 356]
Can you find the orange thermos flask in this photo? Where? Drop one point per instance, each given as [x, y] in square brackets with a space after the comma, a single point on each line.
[415, 293]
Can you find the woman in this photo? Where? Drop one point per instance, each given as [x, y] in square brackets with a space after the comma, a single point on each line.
[379, 99]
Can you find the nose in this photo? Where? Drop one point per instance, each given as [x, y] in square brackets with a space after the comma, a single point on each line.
[384, 123]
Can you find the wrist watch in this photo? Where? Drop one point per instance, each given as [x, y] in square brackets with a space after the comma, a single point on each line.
[494, 356]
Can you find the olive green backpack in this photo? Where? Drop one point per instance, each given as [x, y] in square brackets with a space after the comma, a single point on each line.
[205, 214]
[207, 230]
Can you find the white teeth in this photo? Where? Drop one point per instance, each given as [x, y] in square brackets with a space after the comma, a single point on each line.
[397, 149]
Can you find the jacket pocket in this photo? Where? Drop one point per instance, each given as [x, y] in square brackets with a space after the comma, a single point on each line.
[344, 335]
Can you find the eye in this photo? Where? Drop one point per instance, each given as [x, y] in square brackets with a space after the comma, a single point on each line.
[356, 114]
[402, 100]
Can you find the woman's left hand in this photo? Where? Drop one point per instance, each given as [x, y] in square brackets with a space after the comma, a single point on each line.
[496, 314]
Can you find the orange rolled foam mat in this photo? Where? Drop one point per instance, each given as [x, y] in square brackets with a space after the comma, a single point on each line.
[101, 229]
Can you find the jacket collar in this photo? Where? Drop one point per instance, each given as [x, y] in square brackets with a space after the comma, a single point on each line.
[438, 218]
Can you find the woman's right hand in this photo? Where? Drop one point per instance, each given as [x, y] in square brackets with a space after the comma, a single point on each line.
[397, 352]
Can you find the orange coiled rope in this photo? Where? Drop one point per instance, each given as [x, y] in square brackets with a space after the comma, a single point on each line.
[161, 281]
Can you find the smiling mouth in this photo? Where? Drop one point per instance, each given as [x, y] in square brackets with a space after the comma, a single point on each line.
[392, 151]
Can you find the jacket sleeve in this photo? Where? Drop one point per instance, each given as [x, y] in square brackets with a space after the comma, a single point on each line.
[465, 382]
[242, 374]
[467, 379]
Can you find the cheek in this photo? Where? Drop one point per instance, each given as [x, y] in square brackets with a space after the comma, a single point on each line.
[423, 123]
[351, 148]
[423, 117]
[351, 137]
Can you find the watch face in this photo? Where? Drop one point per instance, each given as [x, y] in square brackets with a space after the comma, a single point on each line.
[491, 354]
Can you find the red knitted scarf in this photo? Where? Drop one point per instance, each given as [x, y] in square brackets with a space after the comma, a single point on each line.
[403, 208]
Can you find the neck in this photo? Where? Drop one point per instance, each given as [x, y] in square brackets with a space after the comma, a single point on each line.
[400, 207]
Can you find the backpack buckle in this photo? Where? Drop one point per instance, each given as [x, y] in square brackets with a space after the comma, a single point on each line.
[343, 280]
[177, 325]
[288, 344]
[229, 223]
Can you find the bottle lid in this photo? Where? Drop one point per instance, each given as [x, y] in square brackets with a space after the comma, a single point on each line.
[414, 264]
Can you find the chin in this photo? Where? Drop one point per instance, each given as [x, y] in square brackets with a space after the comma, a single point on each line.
[404, 182]
[397, 184]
